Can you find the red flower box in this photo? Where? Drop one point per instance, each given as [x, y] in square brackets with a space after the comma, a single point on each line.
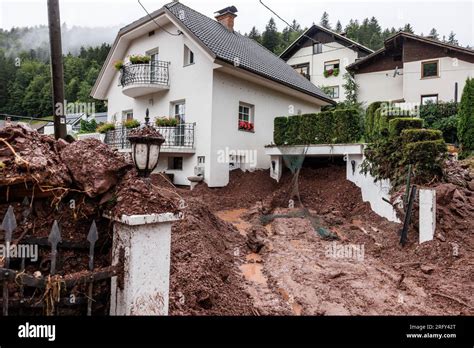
[246, 126]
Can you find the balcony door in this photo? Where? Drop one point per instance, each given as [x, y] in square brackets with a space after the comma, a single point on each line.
[179, 111]
[154, 65]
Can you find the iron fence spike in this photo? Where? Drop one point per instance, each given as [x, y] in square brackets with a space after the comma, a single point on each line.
[9, 224]
[93, 235]
[55, 235]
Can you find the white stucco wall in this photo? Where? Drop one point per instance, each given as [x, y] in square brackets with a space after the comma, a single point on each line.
[379, 86]
[451, 70]
[382, 86]
[331, 51]
[268, 104]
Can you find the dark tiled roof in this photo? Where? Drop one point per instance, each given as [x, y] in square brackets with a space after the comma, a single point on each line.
[233, 47]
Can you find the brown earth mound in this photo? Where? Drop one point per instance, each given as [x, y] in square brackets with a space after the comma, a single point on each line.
[95, 169]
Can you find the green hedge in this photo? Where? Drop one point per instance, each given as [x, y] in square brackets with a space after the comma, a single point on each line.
[338, 126]
[466, 118]
[279, 130]
[370, 119]
[347, 126]
[397, 125]
[415, 135]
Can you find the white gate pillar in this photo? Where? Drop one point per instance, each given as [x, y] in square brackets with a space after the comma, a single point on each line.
[427, 224]
[142, 244]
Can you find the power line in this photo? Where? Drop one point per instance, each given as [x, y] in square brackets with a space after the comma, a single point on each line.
[159, 26]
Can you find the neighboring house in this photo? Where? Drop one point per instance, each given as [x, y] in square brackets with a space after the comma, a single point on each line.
[413, 69]
[319, 54]
[213, 80]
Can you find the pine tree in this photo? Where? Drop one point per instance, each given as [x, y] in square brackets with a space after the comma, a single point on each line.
[338, 27]
[452, 39]
[408, 29]
[466, 118]
[271, 38]
[434, 34]
[325, 21]
[255, 35]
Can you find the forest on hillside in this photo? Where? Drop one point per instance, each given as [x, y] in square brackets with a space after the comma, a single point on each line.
[25, 81]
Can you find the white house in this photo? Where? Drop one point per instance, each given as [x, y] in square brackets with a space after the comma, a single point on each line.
[223, 88]
[322, 56]
[413, 69]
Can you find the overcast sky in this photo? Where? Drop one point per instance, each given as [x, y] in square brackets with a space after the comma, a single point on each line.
[457, 16]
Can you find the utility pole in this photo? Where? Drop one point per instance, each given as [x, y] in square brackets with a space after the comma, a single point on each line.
[57, 70]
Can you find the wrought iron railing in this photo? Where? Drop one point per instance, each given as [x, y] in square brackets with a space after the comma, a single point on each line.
[180, 136]
[155, 72]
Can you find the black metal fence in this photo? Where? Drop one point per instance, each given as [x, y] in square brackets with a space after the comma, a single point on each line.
[180, 136]
[155, 72]
[57, 286]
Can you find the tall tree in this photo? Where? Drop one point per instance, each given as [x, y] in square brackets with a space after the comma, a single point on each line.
[452, 38]
[466, 118]
[271, 38]
[408, 29]
[254, 34]
[324, 22]
[434, 34]
[338, 27]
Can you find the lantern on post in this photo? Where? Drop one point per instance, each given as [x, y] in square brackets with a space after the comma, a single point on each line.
[146, 146]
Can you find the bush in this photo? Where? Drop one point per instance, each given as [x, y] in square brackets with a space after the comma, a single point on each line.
[130, 124]
[88, 126]
[166, 122]
[466, 118]
[139, 59]
[293, 131]
[415, 135]
[370, 119]
[279, 130]
[104, 128]
[449, 127]
[435, 112]
[426, 158]
[308, 127]
[347, 126]
[324, 127]
[397, 125]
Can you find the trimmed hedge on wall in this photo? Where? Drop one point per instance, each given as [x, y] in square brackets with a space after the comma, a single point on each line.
[328, 127]
[370, 119]
[415, 135]
[398, 124]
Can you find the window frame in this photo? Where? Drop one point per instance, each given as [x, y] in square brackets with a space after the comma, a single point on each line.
[423, 77]
[332, 62]
[125, 114]
[428, 96]
[251, 116]
[338, 91]
[172, 163]
[189, 56]
[181, 116]
[319, 45]
[300, 66]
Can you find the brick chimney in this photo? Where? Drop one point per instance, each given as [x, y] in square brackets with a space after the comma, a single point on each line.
[226, 17]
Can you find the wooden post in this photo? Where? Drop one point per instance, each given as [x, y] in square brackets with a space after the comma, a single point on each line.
[57, 70]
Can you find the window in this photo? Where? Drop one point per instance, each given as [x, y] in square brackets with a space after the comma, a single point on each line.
[317, 48]
[334, 64]
[431, 98]
[175, 163]
[188, 56]
[246, 117]
[429, 69]
[179, 111]
[201, 159]
[332, 91]
[303, 69]
[127, 115]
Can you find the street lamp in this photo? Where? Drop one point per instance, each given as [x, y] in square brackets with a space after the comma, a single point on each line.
[146, 145]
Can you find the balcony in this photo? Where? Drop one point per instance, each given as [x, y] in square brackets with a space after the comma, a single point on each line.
[178, 139]
[142, 79]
